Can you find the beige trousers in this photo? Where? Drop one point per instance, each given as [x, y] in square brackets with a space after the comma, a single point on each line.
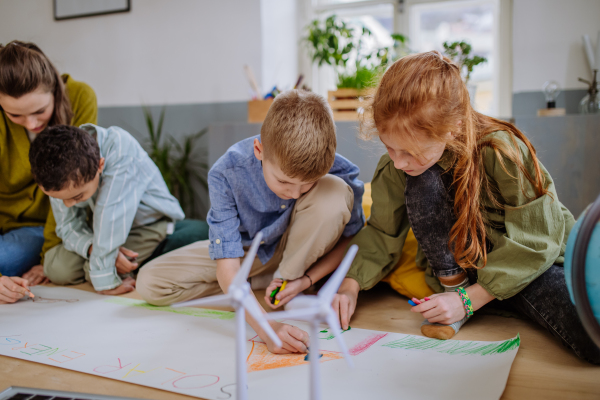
[316, 224]
[64, 267]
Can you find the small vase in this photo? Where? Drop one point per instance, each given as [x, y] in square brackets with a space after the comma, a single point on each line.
[590, 104]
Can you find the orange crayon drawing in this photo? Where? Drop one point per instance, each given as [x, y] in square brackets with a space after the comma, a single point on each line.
[24, 346]
[260, 358]
[68, 358]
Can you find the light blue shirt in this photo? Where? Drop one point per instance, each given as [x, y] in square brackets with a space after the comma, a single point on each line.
[243, 205]
[131, 193]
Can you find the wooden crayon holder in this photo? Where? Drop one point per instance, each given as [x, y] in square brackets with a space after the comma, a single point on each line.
[346, 103]
[257, 110]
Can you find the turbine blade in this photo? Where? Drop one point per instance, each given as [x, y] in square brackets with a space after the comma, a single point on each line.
[242, 276]
[334, 325]
[219, 300]
[254, 310]
[331, 287]
[306, 314]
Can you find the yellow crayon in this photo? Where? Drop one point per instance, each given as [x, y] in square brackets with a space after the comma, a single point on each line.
[282, 287]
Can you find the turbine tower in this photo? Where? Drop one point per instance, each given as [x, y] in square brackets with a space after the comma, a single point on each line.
[240, 297]
[317, 310]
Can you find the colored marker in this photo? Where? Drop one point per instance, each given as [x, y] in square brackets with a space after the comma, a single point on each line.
[280, 289]
[274, 292]
[417, 302]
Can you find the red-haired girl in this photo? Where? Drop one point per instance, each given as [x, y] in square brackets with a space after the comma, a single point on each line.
[483, 208]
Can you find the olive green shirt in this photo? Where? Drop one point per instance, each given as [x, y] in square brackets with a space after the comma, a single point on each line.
[22, 203]
[528, 236]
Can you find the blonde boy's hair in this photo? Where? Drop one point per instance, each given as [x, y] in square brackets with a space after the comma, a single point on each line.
[299, 135]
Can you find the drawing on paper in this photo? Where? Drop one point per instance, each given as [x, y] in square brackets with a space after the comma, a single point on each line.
[260, 358]
[39, 299]
[454, 347]
[190, 351]
[195, 312]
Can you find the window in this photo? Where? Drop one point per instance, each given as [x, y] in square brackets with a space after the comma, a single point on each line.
[485, 24]
[377, 16]
[476, 22]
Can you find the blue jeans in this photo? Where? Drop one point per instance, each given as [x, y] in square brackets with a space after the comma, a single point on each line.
[430, 205]
[20, 250]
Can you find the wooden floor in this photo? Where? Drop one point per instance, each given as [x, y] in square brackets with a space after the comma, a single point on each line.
[543, 369]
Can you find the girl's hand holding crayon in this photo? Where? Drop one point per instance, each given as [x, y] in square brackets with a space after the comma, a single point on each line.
[12, 288]
[443, 308]
[286, 293]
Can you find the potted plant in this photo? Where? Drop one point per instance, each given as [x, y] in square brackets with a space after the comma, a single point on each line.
[176, 163]
[459, 53]
[334, 42]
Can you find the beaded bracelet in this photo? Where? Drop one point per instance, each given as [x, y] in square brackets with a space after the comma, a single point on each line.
[466, 301]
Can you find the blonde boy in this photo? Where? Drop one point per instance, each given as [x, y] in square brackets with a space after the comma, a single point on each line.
[287, 183]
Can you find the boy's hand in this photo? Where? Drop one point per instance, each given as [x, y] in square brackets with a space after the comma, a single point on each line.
[12, 288]
[35, 276]
[292, 288]
[294, 340]
[344, 302]
[443, 308]
[123, 263]
[128, 285]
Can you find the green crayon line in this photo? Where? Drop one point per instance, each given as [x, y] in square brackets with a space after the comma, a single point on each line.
[194, 312]
[454, 347]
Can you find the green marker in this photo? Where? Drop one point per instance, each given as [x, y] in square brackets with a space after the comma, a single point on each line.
[274, 293]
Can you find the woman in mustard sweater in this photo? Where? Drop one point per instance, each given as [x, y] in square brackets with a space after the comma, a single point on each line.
[33, 96]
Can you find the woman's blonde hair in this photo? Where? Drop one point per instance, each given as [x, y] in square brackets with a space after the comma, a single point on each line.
[424, 95]
[24, 68]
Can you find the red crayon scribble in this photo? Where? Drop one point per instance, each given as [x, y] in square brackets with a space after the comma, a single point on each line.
[113, 367]
[256, 341]
[196, 387]
[365, 344]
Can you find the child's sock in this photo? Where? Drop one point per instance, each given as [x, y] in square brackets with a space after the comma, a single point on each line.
[440, 331]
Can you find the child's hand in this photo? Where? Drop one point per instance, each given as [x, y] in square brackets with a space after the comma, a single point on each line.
[444, 308]
[35, 276]
[344, 302]
[292, 288]
[294, 340]
[12, 288]
[123, 264]
[128, 285]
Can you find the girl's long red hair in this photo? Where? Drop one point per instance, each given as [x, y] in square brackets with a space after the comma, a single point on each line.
[424, 95]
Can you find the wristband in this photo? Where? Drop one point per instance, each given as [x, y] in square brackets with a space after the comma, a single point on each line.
[466, 301]
[311, 282]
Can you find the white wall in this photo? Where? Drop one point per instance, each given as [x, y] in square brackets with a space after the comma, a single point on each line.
[547, 42]
[161, 52]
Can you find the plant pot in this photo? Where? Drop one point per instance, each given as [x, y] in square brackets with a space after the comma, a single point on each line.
[257, 110]
[347, 104]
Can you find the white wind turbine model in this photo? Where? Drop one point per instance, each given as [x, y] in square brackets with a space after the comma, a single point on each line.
[316, 310]
[240, 297]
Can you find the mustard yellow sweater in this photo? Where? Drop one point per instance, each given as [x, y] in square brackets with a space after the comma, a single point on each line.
[22, 203]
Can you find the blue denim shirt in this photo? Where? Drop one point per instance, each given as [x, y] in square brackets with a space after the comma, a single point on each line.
[243, 205]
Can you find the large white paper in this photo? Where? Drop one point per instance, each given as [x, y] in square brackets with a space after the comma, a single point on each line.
[191, 351]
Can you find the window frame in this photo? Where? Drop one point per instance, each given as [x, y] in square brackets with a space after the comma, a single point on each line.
[310, 9]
